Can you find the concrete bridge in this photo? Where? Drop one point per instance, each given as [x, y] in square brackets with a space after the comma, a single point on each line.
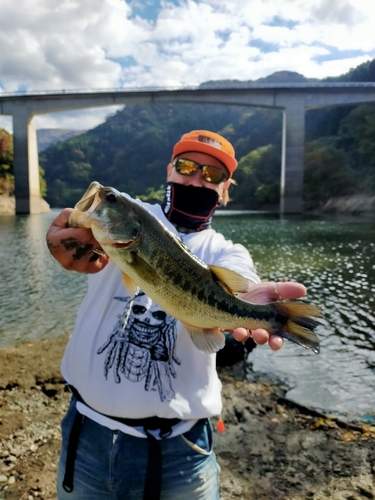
[292, 99]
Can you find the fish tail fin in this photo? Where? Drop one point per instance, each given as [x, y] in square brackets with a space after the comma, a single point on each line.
[295, 322]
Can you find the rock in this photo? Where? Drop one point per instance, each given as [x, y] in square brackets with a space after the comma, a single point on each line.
[234, 351]
[8, 205]
[355, 204]
[259, 458]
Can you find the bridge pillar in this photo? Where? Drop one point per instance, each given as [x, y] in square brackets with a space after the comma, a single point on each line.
[292, 158]
[25, 162]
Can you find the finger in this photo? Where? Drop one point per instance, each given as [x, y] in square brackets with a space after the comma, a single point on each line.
[241, 334]
[62, 218]
[275, 342]
[260, 336]
[59, 229]
[290, 289]
[59, 235]
[96, 263]
[76, 240]
[269, 291]
[74, 248]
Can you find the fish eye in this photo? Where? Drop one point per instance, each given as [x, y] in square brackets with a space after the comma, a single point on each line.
[111, 198]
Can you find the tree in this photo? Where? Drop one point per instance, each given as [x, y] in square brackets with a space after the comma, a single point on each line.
[6, 153]
[42, 183]
[6, 163]
[6, 166]
[132, 148]
[153, 195]
[327, 174]
[258, 177]
[357, 138]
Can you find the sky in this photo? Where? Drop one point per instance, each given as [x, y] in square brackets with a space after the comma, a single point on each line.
[88, 44]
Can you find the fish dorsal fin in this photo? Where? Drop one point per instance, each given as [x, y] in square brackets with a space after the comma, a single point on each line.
[231, 281]
[130, 286]
[206, 340]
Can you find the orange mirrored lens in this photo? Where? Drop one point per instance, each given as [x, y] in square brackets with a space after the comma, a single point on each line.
[210, 174]
[186, 167]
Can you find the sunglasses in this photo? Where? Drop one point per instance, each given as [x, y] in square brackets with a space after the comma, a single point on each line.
[211, 174]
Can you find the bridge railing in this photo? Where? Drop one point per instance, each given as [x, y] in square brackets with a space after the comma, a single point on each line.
[208, 86]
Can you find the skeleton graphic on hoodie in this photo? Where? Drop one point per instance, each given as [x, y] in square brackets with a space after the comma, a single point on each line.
[142, 346]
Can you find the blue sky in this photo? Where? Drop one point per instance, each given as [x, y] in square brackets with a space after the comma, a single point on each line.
[148, 9]
[85, 44]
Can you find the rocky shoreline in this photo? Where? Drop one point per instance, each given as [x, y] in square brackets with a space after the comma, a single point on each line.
[270, 449]
[8, 205]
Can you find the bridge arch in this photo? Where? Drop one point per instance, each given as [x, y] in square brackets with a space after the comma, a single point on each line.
[292, 99]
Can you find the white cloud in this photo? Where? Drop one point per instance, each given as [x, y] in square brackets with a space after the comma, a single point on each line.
[82, 119]
[60, 44]
[333, 68]
[337, 12]
[76, 44]
[6, 123]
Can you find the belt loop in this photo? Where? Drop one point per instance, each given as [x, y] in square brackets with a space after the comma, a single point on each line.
[152, 488]
[71, 452]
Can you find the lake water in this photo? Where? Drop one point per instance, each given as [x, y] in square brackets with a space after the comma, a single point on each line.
[334, 257]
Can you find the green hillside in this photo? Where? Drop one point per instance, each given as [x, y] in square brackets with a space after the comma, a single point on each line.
[48, 136]
[131, 150]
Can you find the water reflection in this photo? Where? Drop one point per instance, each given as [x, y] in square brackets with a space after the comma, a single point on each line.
[334, 258]
[35, 291]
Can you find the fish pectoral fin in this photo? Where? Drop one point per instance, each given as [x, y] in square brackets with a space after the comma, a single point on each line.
[130, 286]
[231, 281]
[207, 340]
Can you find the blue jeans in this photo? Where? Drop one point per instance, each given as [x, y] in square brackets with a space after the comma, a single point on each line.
[111, 465]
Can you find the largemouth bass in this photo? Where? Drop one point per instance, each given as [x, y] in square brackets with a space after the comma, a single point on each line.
[202, 297]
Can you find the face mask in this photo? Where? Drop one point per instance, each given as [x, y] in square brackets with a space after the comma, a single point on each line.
[189, 207]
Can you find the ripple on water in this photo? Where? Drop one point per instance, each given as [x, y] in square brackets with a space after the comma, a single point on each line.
[38, 299]
[334, 258]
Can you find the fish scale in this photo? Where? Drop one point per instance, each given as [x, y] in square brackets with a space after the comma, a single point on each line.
[202, 297]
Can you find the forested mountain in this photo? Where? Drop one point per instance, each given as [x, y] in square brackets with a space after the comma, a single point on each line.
[48, 136]
[132, 148]
[130, 151]
[283, 77]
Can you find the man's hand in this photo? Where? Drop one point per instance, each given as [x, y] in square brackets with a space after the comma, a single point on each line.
[263, 293]
[74, 247]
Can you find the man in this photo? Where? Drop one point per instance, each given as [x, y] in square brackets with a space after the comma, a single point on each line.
[138, 425]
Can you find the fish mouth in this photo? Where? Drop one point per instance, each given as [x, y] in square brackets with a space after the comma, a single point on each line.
[122, 244]
[91, 199]
[106, 241]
